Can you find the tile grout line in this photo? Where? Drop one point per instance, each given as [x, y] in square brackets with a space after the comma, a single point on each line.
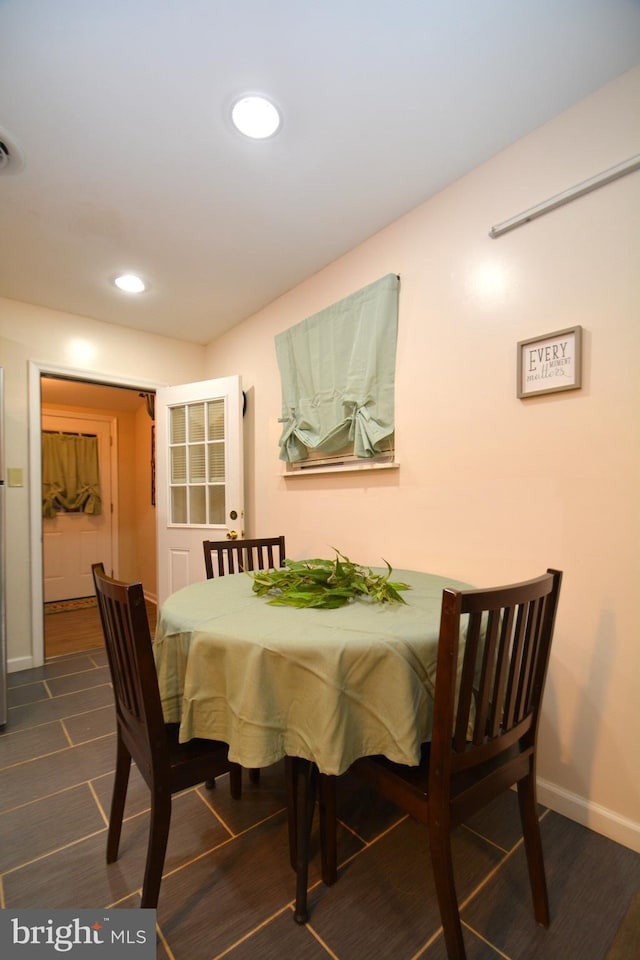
[488, 942]
[54, 720]
[164, 942]
[354, 833]
[48, 796]
[209, 806]
[99, 805]
[461, 905]
[471, 896]
[73, 673]
[425, 946]
[66, 733]
[53, 753]
[232, 836]
[482, 837]
[96, 833]
[250, 933]
[440, 933]
[49, 853]
[370, 843]
[508, 854]
[198, 857]
[70, 693]
[312, 931]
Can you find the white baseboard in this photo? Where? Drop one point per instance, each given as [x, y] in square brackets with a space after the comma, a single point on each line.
[19, 663]
[592, 815]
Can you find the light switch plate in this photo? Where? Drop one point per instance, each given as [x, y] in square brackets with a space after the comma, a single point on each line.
[15, 477]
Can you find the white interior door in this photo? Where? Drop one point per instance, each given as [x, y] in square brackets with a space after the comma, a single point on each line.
[71, 542]
[199, 475]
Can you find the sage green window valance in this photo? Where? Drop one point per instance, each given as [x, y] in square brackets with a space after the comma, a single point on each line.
[338, 375]
[70, 474]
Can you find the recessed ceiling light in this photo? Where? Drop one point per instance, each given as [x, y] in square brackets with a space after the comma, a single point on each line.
[130, 283]
[256, 117]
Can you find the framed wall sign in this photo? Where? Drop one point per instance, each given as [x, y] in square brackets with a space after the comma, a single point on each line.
[550, 363]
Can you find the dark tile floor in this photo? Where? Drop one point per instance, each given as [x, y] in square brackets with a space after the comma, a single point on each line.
[228, 887]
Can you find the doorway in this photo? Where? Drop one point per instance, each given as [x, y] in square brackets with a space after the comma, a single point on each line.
[71, 623]
[72, 538]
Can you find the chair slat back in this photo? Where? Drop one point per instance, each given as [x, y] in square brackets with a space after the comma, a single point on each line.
[503, 636]
[125, 626]
[237, 556]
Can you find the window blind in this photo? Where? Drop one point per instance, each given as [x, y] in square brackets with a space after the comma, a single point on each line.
[70, 474]
[337, 369]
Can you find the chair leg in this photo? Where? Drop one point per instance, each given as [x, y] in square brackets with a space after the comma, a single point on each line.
[305, 786]
[533, 848]
[235, 781]
[328, 821]
[442, 860]
[118, 798]
[254, 776]
[328, 828]
[292, 811]
[156, 848]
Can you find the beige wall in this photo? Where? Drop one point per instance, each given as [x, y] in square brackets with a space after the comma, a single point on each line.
[95, 351]
[492, 488]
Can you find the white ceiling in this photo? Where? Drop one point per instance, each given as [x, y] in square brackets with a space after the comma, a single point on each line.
[120, 111]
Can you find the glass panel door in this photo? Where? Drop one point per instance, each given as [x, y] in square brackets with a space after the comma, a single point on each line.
[197, 478]
[199, 475]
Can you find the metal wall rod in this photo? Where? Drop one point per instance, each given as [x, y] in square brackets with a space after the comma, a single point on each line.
[600, 179]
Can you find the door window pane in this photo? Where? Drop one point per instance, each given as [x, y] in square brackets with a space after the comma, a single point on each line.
[197, 505]
[217, 510]
[216, 419]
[178, 465]
[196, 422]
[178, 429]
[197, 463]
[178, 505]
[216, 462]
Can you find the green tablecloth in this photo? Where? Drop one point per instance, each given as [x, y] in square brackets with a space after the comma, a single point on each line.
[327, 685]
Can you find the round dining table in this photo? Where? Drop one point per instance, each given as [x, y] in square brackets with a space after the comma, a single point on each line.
[318, 687]
[329, 686]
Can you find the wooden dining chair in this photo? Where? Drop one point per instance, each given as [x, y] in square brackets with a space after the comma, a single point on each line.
[485, 728]
[239, 556]
[166, 765]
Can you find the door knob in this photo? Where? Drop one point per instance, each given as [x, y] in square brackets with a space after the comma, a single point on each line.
[232, 535]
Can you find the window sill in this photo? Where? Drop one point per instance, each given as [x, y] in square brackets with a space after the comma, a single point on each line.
[338, 468]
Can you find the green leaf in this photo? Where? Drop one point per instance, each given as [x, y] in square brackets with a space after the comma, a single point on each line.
[326, 584]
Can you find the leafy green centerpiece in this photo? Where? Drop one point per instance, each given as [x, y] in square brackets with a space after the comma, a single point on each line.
[326, 584]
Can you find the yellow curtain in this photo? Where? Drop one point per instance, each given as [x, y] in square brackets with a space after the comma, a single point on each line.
[70, 474]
